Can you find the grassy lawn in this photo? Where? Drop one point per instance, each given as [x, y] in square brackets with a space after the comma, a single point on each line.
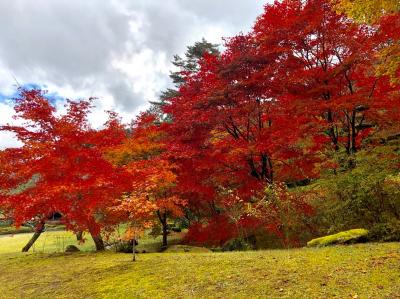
[12, 230]
[49, 242]
[357, 271]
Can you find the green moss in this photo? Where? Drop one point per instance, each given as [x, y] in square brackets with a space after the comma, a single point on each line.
[366, 270]
[346, 237]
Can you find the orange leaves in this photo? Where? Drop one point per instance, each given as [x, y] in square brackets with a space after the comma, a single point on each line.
[153, 184]
[137, 205]
[153, 176]
[143, 144]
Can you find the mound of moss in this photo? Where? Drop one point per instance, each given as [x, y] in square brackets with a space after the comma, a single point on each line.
[346, 237]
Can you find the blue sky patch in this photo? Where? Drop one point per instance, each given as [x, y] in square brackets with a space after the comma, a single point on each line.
[52, 96]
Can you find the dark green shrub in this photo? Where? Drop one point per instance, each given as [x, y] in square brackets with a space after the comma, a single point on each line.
[71, 248]
[387, 232]
[237, 245]
[367, 195]
[155, 231]
[176, 229]
[124, 246]
[186, 248]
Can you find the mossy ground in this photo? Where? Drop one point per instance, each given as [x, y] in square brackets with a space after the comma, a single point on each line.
[356, 271]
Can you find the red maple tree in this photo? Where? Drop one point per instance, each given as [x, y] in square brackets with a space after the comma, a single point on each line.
[60, 168]
[265, 110]
[325, 63]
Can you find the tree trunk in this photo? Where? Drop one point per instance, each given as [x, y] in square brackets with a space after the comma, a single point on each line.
[353, 133]
[163, 220]
[134, 249]
[165, 237]
[98, 241]
[332, 133]
[38, 231]
[79, 236]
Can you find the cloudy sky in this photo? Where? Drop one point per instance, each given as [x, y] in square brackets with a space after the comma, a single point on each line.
[116, 50]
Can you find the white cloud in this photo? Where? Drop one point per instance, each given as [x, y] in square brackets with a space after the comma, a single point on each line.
[7, 139]
[118, 51]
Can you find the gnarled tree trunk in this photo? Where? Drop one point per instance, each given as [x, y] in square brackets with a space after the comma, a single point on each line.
[98, 241]
[38, 231]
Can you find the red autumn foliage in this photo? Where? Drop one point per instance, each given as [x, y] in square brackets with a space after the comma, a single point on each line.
[267, 109]
[218, 230]
[325, 63]
[153, 179]
[266, 112]
[61, 166]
